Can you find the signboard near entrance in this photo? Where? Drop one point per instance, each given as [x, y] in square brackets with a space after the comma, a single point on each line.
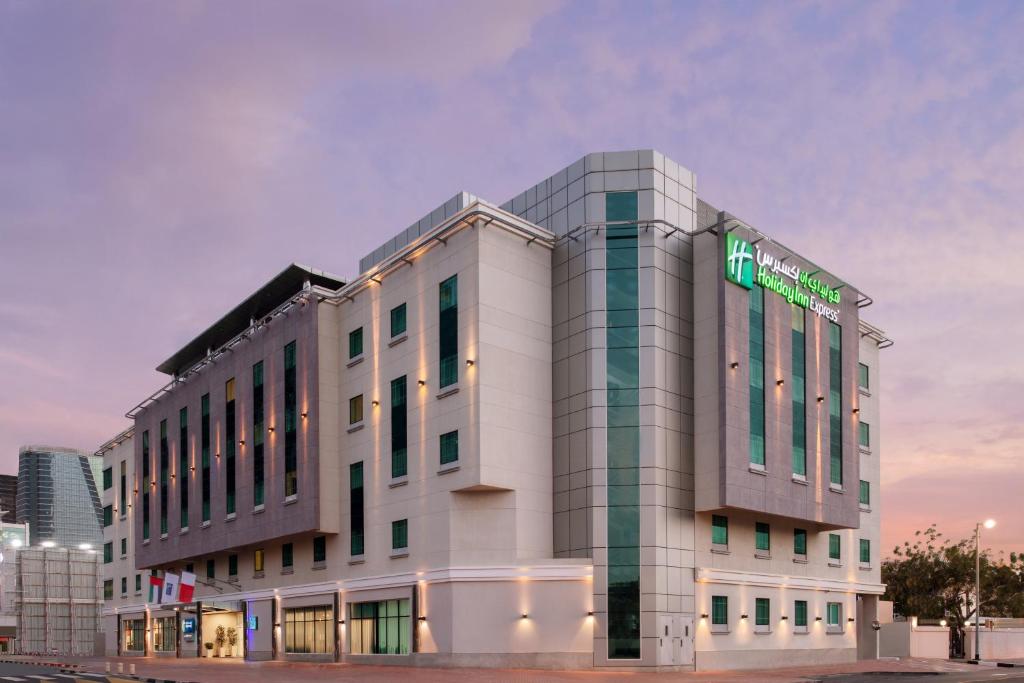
[252, 623]
[188, 629]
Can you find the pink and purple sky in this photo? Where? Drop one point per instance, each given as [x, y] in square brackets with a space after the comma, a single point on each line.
[158, 161]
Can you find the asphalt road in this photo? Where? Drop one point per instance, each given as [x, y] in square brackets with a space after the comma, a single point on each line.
[981, 675]
[30, 674]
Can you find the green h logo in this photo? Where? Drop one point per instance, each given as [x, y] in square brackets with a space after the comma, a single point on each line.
[739, 261]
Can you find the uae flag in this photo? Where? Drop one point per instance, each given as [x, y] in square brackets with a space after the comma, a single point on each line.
[155, 584]
[170, 592]
[188, 587]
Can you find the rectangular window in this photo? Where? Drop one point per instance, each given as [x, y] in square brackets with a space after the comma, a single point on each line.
[183, 466]
[319, 549]
[865, 493]
[862, 376]
[138, 582]
[108, 515]
[799, 389]
[834, 547]
[800, 613]
[108, 478]
[165, 464]
[291, 437]
[355, 343]
[399, 428]
[398, 322]
[355, 481]
[108, 552]
[799, 542]
[204, 454]
[257, 560]
[355, 409]
[124, 585]
[309, 630]
[257, 434]
[622, 361]
[190, 568]
[211, 569]
[124, 488]
[232, 566]
[865, 551]
[719, 610]
[835, 403]
[134, 634]
[762, 611]
[719, 530]
[762, 537]
[108, 589]
[400, 534]
[381, 628]
[835, 614]
[864, 434]
[448, 330]
[145, 485]
[124, 547]
[449, 447]
[756, 316]
[287, 557]
[230, 439]
[165, 634]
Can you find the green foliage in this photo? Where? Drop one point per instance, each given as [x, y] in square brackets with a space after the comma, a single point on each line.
[933, 578]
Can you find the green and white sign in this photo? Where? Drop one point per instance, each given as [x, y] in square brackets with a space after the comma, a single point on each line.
[746, 266]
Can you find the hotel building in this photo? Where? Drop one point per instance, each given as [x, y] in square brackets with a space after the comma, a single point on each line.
[601, 425]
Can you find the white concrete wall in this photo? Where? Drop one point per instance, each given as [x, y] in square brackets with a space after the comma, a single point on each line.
[998, 644]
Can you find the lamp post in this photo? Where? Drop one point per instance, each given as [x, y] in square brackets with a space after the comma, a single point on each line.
[988, 524]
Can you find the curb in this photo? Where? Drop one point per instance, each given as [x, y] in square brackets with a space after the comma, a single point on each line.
[1010, 665]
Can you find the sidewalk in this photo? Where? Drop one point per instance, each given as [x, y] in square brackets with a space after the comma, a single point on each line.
[228, 671]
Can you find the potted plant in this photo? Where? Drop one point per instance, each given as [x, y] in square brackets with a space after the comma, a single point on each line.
[219, 639]
[209, 649]
[232, 640]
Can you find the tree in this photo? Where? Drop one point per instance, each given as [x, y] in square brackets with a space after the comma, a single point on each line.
[934, 578]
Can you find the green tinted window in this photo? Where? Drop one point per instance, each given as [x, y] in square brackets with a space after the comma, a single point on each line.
[355, 478]
[864, 434]
[762, 611]
[108, 478]
[799, 542]
[319, 549]
[448, 331]
[108, 515]
[719, 609]
[449, 447]
[865, 551]
[756, 319]
[799, 391]
[835, 403]
[287, 555]
[355, 343]
[762, 536]
[834, 550]
[862, 376]
[834, 613]
[800, 613]
[398, 322]
[719, 530]
[865, 492]
[399, 428]
[355, 409]
[400, 534]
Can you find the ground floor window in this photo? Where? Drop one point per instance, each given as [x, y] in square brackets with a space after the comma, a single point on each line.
[381, 628]
[165, 634]
[834, 617]
[307, 630]
[134, 634]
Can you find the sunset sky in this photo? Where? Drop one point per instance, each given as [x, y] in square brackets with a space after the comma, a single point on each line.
[159, 161]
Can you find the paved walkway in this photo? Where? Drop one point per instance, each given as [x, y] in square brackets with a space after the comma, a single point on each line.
[227, 671]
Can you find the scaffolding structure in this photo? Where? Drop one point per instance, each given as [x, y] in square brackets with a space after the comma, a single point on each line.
[57, 597]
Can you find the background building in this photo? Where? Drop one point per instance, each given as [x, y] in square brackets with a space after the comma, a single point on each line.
[560, 433]
[58, 496]
[9, 497]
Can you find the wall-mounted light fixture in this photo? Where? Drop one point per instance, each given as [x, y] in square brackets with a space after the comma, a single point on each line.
[784, 617]
[341, 621]
[856, 411]
[152, 484]
[524, 615]
[743, 616]
[704, 616]
[779, 382]
[422, 618]
[590, 613]
[421, 382]
[241, 442]
[851, 620]
[817, 618]
[216, 455]
[270, 429]
[193, 468]
[469, 362]
[734, 365]
[375, 403]
[173, 476]
[820, 399]
[304, 415]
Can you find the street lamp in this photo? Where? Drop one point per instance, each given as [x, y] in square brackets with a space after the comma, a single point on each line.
[988, 524]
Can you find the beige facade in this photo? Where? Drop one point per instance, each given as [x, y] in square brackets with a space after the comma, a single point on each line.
[456, 494]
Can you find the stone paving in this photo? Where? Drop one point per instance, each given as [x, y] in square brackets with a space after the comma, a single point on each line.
[220, 671]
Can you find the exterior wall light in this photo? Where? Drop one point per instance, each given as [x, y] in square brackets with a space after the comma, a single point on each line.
[743, 616]
[270, 429]
[216, 455]
[734, 365]
[851, 620]
[341, 621]
[193, 468]
[174, 476]
[421, 382]
[422, 618]
[590, 613]
[704, 616]
[241, 442]
[779, 382]
[305, 415]
[375, 403]
[817, 618]
[856, 411]
[524, 616]
[469, 363]
[784, 617]
[820, 399]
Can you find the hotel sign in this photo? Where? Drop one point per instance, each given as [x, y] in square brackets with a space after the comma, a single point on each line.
[747, 266]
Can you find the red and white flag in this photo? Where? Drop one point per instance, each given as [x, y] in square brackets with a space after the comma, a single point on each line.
[155, 588]
[188, 587]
